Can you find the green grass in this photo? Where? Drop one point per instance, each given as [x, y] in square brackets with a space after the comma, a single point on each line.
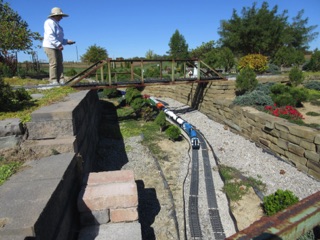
[50, 96]
[7, 170]
[236, 185]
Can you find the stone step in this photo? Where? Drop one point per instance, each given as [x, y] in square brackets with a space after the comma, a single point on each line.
[112, 231]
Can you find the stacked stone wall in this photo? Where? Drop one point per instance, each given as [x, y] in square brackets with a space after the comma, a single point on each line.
[298, 145]
[39, 202]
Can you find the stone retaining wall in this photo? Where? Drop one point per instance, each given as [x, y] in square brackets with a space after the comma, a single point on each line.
[296, 144]
[39, 202]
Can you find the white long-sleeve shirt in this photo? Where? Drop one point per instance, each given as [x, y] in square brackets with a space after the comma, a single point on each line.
[53, 34]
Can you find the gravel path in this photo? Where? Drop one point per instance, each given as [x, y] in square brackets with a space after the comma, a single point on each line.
[160, 181]
[235, 151]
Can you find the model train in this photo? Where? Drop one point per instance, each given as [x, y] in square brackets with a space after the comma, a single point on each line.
[186, 127]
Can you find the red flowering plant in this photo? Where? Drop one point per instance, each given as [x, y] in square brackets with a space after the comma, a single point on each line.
[287, 112]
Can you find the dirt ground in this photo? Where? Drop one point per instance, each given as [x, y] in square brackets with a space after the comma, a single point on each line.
[308, 107]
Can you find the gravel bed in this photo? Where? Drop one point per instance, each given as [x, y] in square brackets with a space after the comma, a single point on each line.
[235, 151]
[159, 216]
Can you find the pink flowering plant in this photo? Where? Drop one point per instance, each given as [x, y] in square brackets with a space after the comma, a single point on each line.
[287, 112]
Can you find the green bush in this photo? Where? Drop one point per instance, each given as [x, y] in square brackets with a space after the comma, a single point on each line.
[265, 87]
[137, 104]
[284, 95]
[296, 76]
[278, 201]
[131, 94]
[315, 85]
[22, 95]
[246, 81]
[71, 72]
[161, 120]
[111, 92]
[314, 63]
[173, 132]
[273, 69]
[254, 98]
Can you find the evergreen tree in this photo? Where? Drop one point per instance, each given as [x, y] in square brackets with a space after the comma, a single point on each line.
[264, 31]
[94, 54]
[178, 46]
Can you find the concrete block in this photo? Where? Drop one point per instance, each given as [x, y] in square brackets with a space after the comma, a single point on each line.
[11, 126]
[124, 215]
[95, 217]
[37, 193]
[115, 195]
[112, 231]
[50, 129]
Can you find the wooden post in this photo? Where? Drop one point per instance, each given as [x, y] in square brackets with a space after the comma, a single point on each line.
[101, 73]
[142, 79]
[172, 71]
[132, 72]
[109, 72]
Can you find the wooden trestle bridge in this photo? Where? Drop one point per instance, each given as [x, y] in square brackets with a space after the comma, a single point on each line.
[133, 74]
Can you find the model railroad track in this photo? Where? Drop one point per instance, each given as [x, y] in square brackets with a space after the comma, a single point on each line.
[213, 211]
[194, 221]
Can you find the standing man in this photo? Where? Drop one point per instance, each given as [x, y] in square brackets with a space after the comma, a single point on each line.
[53, 42]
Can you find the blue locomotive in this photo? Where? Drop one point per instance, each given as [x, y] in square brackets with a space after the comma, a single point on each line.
[186, 127]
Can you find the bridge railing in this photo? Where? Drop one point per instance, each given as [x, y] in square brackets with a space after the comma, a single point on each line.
[112, 71]
[288, 224]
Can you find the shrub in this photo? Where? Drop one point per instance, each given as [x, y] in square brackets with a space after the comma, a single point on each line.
[137, 104]
[71, 72]
[314, 63]
[161, 120]
[278, 201]
[265, 87]
[131, 94]
[246, 81]
[254, 98]
[111, 92]
[296, 76]
[173, 132]
[256, 62]
[22, 95]
[284, 95]
[273, 69]
[315, 85]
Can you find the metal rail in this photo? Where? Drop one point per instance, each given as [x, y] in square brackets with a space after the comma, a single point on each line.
[213, 210]
[288, 224]
[194, 221]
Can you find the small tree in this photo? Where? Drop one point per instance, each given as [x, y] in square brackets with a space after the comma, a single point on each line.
[296, 76]
[15, 36]
[178, 46]
[314, 63]
[246, 81]
[161, 120]
[173, 132]
[94, 54]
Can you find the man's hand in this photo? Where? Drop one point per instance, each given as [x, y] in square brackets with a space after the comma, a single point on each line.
[70, 42]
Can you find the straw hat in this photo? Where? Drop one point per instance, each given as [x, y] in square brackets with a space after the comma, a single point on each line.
[57, 12]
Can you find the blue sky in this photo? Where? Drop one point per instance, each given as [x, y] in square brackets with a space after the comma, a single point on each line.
[127, 28]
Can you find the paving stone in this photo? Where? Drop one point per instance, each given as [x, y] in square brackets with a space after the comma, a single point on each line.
[114, 195]
[94, 217]
[112, 231]
[124, 215]
[110, 177]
